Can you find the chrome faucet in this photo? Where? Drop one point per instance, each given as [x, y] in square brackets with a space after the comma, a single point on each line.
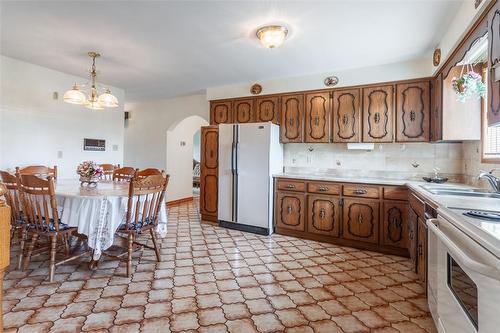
[492, 180]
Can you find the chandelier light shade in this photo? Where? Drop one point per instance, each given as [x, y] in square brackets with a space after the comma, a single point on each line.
[272, 36]
[93, 99]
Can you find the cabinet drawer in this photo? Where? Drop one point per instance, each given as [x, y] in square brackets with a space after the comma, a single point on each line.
[326, 188]
[291, 185]
[396, 193]
[417, 205]
[363, 191]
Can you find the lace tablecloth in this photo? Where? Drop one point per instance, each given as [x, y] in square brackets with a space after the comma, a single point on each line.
[97, 212]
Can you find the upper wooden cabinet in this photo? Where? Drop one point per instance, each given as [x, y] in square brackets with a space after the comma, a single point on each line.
[243, 110]
[292, 118]
[346, 119]
[317, 117]
[436, 114]
[360, 220]
[221, 112]
[378, 109]
[267, 109]
[412, 111]
[323, 215]
[493, 117]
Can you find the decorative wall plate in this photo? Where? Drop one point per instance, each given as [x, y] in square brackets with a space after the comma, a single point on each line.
[436, 58]
[256, 89]
[331, 81]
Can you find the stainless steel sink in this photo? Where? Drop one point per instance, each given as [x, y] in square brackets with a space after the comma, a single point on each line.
[465, 192]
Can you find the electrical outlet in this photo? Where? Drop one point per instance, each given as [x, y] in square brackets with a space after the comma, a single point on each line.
[59, 154]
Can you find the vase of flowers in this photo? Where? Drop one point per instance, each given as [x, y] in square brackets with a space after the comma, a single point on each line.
[468, 85]
[89, 173]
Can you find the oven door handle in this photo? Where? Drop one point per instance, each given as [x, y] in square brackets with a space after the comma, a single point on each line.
[458, 253]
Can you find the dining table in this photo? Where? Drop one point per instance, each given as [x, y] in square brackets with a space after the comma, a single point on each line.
[98, 211]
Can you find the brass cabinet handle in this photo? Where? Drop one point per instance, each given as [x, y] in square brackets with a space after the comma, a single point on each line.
[360, 191]
[360, 219]
[316, 121]
[322, 188]
[322, 213]
[289, 209]
[344, 119]
[412, 115]
[290, 186]
[211, 154]
[291, 121]
[419, 250]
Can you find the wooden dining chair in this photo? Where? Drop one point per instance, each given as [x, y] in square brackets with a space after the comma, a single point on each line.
[38, 170]
[18, 222]
[40, 208]
[108, 170]
[145, 198]
[149, 172]
[124, 174]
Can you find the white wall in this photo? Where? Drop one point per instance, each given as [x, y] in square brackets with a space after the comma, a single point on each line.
[180, 157]
[34, 127]
[383, 73]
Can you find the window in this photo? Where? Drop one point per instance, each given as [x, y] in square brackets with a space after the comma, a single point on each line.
[490, 134]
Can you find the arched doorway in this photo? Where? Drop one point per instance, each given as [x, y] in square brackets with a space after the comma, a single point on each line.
[181, 150]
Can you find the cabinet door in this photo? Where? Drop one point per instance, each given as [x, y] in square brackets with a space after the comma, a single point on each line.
[346, 116]
[436, 116]
[360, 220]
[268, 109]
[318, 117]
[422, 250]
[243, 111]
[290, 211]
[221, 112]
[292, 118]
[395, 225]
[378, 109]
[493, 117]
[412, 236]
[323, 215]
[412, 112]
[209, 172]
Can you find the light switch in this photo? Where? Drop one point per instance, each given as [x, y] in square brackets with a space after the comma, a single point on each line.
[59, 154]
[115, 147]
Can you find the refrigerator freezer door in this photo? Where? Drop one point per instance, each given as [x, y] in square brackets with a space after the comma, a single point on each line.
[225, 194]
[253, 174]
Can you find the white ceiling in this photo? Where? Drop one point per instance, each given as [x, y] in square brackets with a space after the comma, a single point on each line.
[158, 49]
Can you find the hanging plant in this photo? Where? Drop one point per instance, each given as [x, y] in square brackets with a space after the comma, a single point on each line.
[468, 85]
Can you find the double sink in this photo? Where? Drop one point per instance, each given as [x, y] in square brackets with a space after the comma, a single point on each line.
[460, 191]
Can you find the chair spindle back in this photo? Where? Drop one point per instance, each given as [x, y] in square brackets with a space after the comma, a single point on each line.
[124, 174]
[12, 196]
[38, 170]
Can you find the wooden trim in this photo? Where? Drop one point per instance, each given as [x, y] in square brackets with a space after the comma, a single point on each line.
[484, 121]
[179, 201]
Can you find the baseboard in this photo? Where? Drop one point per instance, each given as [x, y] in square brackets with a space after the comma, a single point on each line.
[244, 227]
[179, 201]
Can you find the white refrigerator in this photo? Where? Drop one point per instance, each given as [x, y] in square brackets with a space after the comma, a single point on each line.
[249, 154]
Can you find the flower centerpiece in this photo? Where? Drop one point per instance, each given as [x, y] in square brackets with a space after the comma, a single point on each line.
[468, 85]
[89, 173]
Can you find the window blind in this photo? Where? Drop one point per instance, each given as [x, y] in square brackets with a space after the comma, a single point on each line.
[492, 141]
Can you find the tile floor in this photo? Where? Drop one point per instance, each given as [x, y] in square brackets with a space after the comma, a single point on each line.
[218, 280]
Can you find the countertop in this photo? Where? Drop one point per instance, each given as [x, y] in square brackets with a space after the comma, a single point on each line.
[450, 207]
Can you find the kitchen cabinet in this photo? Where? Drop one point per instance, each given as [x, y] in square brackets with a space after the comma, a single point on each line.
[412, 236]
[243, 111]
[346, 119]
[422, 250]
[436, 114]
[290, 211]
[361, 220]
[317, 111]
[292, 118]
[378, 110]
[221, 112]
[395, 224]
[412, 111]
[209, 162]
[493, 117]
[267, 109]
[323, 215]
[418, 220]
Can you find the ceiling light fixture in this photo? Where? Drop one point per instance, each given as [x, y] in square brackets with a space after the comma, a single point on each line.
[272, 36]
[93, 100]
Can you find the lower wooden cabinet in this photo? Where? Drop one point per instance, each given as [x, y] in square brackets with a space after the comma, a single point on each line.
[209, 173]
[395, 224]
[323, 215]
[290, 211]
[412, 235]
[361, 220]
[422, 250]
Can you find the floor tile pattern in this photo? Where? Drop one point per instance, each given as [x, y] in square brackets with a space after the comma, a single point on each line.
[212, 279]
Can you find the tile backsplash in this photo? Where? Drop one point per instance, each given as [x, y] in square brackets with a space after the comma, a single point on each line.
[473, 165]
[392, 160]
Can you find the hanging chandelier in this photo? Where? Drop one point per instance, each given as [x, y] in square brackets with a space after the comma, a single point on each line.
[92, 99]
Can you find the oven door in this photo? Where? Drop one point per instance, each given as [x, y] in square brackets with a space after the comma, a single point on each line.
[468, 282]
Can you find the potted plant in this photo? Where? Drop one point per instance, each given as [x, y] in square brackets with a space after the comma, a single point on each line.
[89, 173]
[468, 85]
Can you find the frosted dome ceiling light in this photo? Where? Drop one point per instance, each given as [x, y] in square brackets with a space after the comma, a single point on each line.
[272, 36]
